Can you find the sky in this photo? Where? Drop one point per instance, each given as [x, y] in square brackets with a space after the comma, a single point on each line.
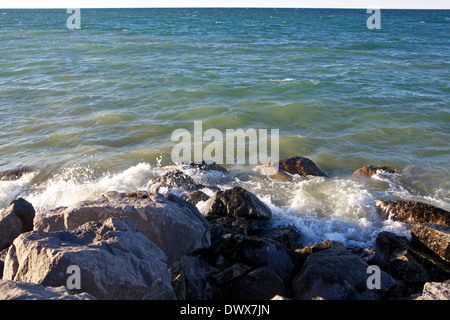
[381, 4]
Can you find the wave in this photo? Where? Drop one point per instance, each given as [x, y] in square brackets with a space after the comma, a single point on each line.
[338, 208]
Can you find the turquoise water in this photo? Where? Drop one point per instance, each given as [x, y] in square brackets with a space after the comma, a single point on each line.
[94, 109]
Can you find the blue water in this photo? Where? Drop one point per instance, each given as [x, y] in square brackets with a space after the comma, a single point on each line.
[94, 109]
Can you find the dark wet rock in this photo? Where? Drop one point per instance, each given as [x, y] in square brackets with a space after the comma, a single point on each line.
[14, 220]
[370, 170]
[220, 226]
[258, 284]
[115, 260]
[337, 275]
[208, 166]
[301, 166]
[434, 237]
[175, 179]
[191, 278]
[369, 255]
[288, 237]
[237, 202]
[413, 211]
[387, 243]
[255, 251]
[16, 173]
[408, 263]
[243, 282]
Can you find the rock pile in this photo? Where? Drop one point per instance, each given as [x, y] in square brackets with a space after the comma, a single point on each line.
[148, 245]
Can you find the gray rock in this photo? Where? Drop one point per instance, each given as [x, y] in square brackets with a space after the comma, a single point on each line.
[173, 224]
[190, 278]
[14, 290]
[237, 202]
[175, 179]
[413, 211]
[14, 220]
[434, 237]
[337, 275]
[260, 252]
[115, 260]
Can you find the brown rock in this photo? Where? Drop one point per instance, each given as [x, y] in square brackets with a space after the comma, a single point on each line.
[301, 166]
[14, 220]
[370, 170]
[413, 211]
[434, 237]
[237, 202]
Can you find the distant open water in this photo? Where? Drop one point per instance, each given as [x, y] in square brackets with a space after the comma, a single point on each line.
[94, 109]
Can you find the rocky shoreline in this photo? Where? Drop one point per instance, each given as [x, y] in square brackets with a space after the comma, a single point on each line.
[158, 246]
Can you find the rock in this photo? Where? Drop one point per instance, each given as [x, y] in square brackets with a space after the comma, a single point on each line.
[327, 244]
[115, 260]
[237, 202]
[175, 179]
[370, 170]
[190, 278]
[301, 166]
[288, 237]
[435, 291]
[258, 252]
[208, 166]
[278, 297]
[259, 284]
[14, 220]
[408, 263]
[16, 173]
[434, 237]
[369, 255]
[173, 224]
[387, 243]
[337, 275]
[220, 226]
[196, 196]
[413, 211]
[13, 290]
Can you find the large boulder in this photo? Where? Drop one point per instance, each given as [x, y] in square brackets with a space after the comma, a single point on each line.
[115, 261]
[173, 224]
[14, 220]
[337, 275]
[237, 202]
[413, 211]
[434, 237]
[14, 290]
[301, 166]
[411, 263]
